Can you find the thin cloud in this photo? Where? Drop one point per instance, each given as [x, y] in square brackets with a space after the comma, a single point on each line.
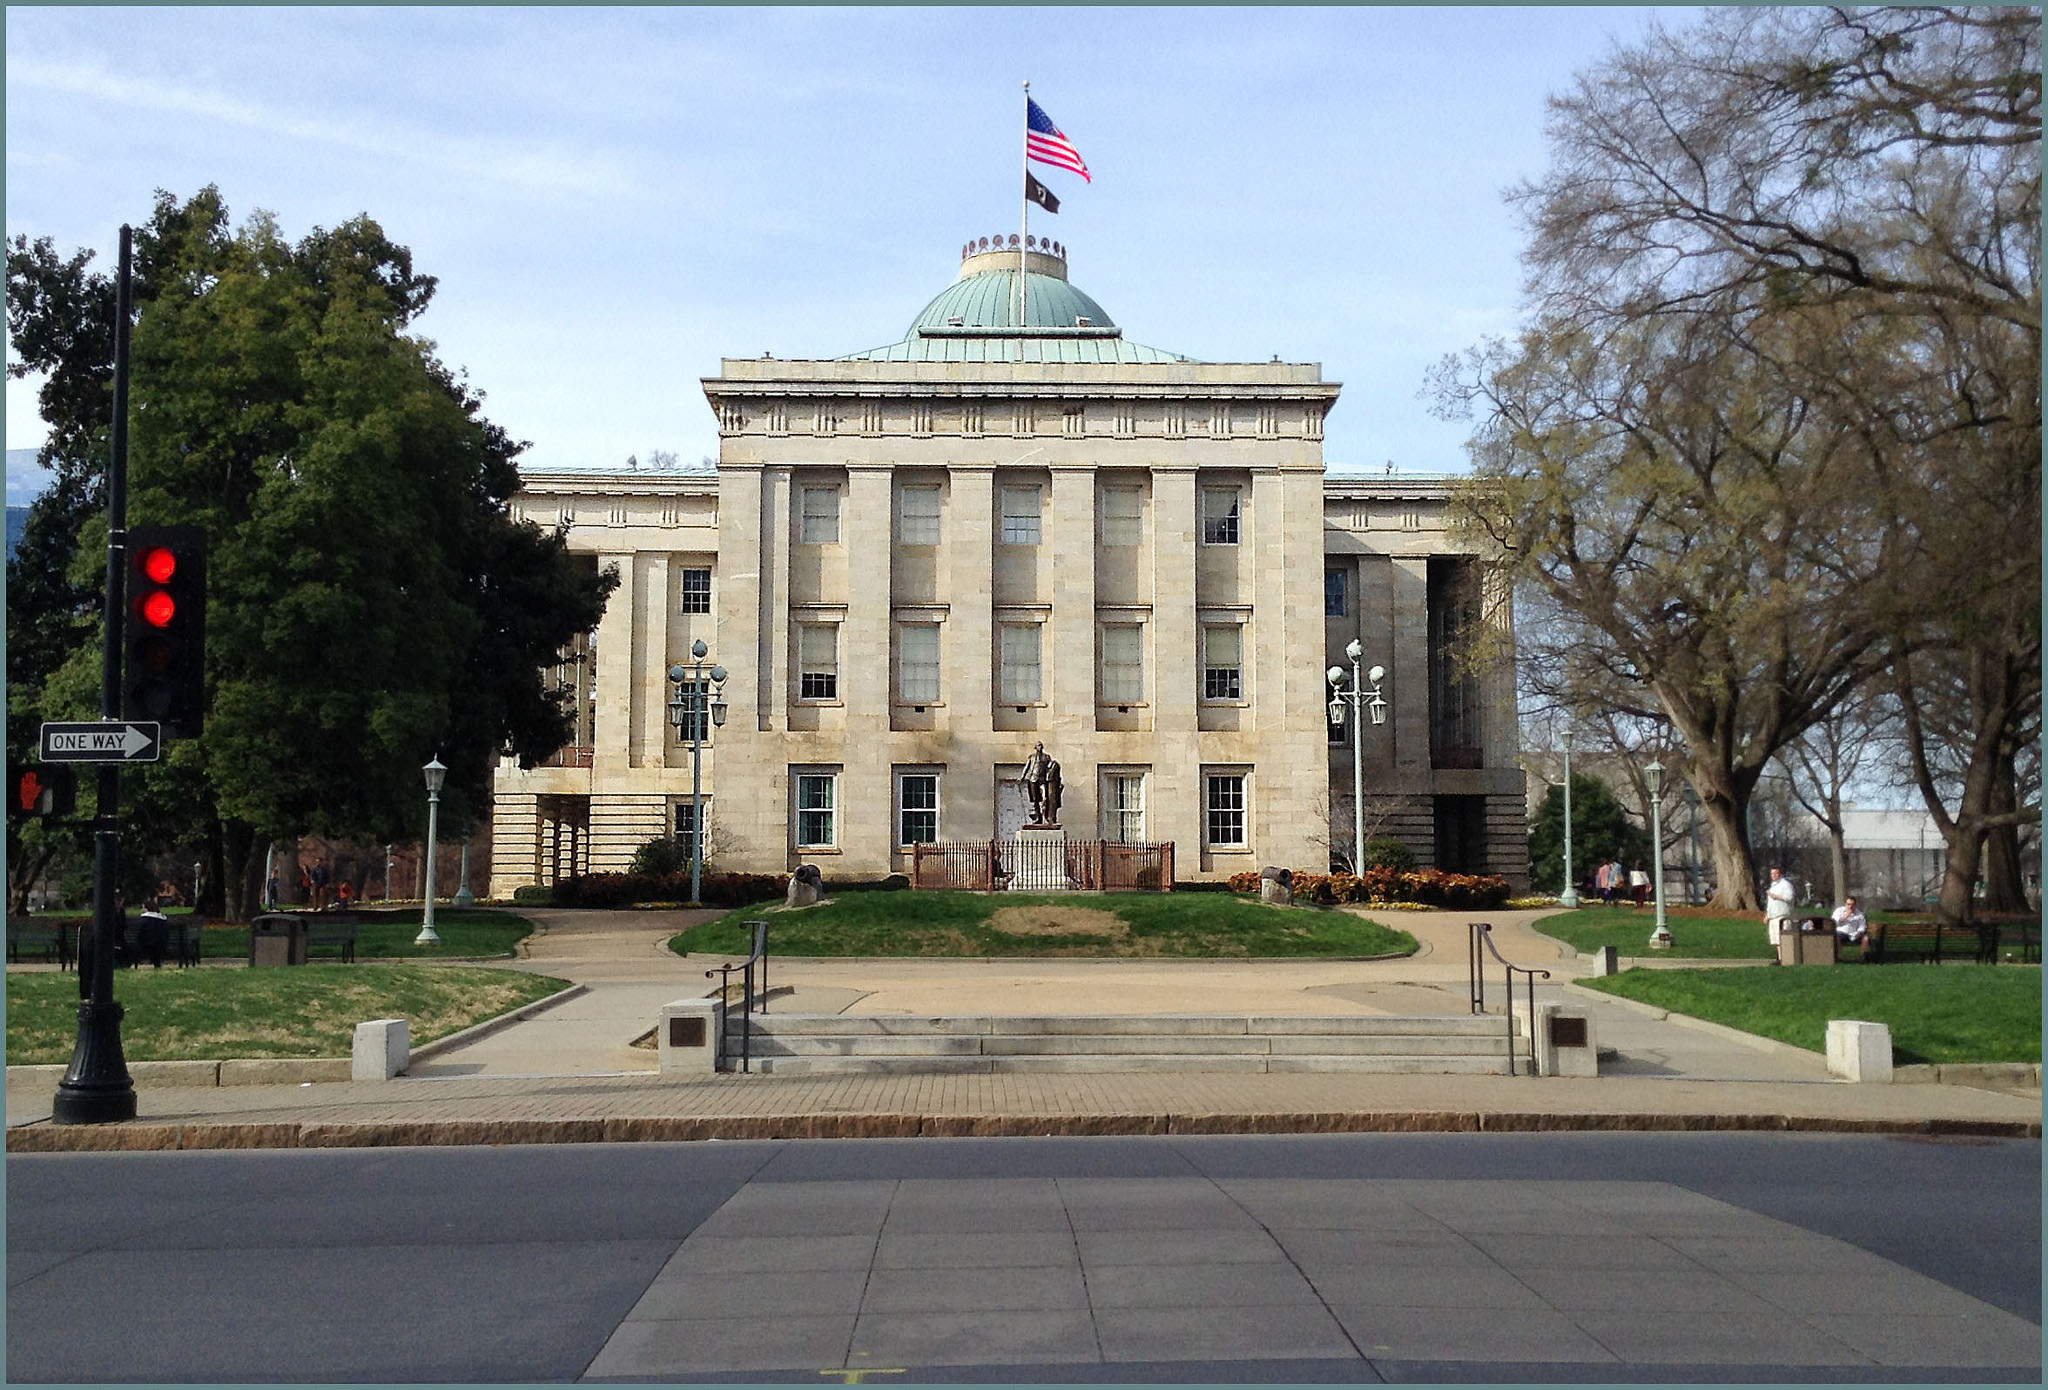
[551, 168]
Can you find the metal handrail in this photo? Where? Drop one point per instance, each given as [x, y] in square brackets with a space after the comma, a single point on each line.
[1475, 933]
[747, 992]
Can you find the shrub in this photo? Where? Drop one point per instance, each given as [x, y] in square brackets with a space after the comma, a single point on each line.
[533, 895]
[894, 883]
[1385, 852]
[621, 890]
[666, 855]
[1432, 887]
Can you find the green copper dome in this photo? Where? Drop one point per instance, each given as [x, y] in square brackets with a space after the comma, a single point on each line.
[974, 319]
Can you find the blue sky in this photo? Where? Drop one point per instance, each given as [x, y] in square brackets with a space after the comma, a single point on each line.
[615, 199]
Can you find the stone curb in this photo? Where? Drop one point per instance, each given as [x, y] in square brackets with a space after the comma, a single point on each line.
[1988, 1076]
[282, 1071]
[491, 1025]
[145, 1135]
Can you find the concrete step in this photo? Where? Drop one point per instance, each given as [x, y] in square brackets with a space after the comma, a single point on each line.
[1368, 1063]
[1095, 1025]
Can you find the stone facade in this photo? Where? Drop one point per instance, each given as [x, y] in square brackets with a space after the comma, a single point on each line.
[915, 569]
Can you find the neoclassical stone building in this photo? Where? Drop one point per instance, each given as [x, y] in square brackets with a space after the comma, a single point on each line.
[919, 561]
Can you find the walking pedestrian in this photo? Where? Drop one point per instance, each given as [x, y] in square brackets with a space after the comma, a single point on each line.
[1604, 882]
[1639, 883]
[321, 878]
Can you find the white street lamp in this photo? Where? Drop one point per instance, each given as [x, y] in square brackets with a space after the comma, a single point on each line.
[1376, 707]
[1570, 896]
[1660, 934]
[435, 775]
[695, 699]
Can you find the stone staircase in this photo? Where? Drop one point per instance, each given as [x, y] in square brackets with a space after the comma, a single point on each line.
[819, 1044]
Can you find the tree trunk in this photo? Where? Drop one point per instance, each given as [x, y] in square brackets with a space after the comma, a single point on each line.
[1734, 870]
[1838, 859]
[238, 844]
[2005, 889]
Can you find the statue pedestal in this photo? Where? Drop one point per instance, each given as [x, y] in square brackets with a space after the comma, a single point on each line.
[1041, 865]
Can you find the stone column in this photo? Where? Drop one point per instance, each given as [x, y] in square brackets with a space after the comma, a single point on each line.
[612, 730]
[967, 651]
[654, 612]
[1174, 791]
[866, 793]
[1070, 643]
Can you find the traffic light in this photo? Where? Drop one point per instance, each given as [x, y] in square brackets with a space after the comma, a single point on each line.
[41, 789]
[165, 628]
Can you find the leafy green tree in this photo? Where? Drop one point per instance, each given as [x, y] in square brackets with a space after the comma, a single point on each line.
[666, 855]
[1601, 830]
[371, 600]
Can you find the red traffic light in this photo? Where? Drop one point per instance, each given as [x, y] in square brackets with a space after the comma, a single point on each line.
[159, 562]
[157, 609]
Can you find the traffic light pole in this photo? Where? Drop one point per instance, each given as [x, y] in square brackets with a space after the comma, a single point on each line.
[96, 1087]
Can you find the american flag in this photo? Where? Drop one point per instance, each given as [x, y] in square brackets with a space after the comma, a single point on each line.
[1044, 142]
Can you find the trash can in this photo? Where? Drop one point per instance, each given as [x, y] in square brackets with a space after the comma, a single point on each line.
[277, 938]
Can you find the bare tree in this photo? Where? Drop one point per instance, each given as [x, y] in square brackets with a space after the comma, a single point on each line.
[1824, 761]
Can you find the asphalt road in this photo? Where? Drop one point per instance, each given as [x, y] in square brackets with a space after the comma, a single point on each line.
[780, 1260]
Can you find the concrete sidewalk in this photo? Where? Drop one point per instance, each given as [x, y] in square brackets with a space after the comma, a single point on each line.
[571, 1073]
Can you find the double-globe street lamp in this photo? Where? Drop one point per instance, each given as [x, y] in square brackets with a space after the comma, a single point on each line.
[699, 706]
[435, 775]
[1376, 706]
[1653, 775]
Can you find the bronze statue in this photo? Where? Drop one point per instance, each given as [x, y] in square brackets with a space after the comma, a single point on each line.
[1041, 781]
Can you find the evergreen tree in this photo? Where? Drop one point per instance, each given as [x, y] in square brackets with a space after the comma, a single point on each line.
[1601, 830]
[371, 601]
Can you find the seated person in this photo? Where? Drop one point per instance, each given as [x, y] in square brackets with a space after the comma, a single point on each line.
[1850, 924]
[152, 935]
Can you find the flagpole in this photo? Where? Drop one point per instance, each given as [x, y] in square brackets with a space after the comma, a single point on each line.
[1024, 237]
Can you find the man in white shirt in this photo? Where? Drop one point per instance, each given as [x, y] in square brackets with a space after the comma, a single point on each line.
[1850, 924]
[1778, 901]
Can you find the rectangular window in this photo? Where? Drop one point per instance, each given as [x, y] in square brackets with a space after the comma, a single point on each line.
[1123, 516]
[1123, 664]
[917, 515]
[821, 516]
[696, 591]
[917, 663]
[1333, 594]
[817, 801]
[1219, 516]
[917, 808]
[1021, 683]
[818, 661]
[686, 827]
[695, 697]
[1124, 807]
[1020, 515]
[1223, 663]
[1225, 820]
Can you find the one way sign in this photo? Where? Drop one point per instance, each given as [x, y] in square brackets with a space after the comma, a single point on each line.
[109, 741]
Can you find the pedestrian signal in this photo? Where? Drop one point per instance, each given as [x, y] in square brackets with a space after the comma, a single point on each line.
[41, 789]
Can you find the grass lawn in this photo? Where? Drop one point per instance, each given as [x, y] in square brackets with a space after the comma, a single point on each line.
[387, 934]
[1698, 937]
[305, 1011]
[1188, 925]
[1949, 1013]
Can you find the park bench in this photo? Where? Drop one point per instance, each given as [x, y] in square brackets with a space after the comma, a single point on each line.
[48, 941]
[332, 928]
[1927, 941]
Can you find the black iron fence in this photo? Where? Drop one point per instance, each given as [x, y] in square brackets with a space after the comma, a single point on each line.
[1044, 866]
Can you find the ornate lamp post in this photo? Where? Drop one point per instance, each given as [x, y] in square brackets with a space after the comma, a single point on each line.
[1660, 934]
[695, 699]
[435, 775]
[1376, 705]
[1570, 896]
